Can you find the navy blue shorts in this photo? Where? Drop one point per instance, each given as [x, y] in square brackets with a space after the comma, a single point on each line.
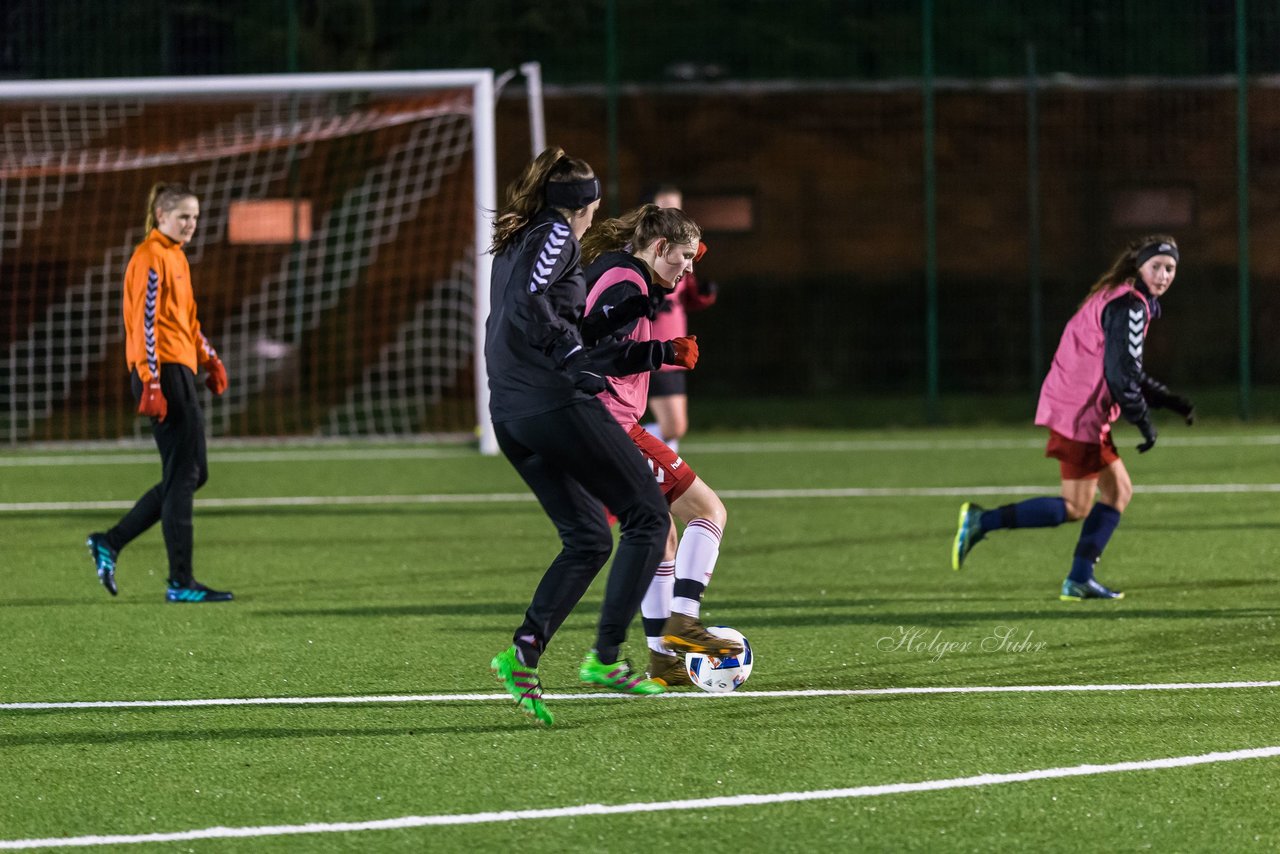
[667, 383]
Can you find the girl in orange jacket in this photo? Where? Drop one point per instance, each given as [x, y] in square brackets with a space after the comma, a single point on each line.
[163, 348]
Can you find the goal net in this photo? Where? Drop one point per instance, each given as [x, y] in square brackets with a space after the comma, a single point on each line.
[344, 219]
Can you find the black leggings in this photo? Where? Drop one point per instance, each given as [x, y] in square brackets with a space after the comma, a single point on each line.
[185, 468]
[576, 460]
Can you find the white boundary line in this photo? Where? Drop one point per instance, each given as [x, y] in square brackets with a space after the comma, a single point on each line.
[285, 501]
[465, 698]
[747, 494]
[505, 816]
[226, 455]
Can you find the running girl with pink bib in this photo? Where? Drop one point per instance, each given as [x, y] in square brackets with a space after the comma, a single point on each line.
[645, 253]
[1096, 377]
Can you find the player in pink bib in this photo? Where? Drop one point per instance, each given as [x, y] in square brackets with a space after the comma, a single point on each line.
[644, 254]
[668, 386]
[1096, 376]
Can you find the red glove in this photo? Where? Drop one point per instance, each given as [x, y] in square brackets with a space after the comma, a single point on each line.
[153, 402]
[217, 378]
[684, 351]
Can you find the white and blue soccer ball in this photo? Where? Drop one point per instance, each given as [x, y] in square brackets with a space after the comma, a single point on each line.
[720, 675]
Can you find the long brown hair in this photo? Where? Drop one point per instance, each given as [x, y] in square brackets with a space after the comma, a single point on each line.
[526, 197]
[165, 197]
[1125, 266]
[639, 228]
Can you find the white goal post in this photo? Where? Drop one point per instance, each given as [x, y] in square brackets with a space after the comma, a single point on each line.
[327, 330]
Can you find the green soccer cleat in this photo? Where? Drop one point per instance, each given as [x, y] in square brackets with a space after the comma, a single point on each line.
[521, 682]
[1074, 591]
[968, 533]
[619, 676]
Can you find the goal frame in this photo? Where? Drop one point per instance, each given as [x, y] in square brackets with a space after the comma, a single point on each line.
[479, 80]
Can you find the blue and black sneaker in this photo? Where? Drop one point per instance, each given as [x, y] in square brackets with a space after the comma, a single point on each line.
[1075, 591]
[194, 591]
[104, 558]
[968, 533]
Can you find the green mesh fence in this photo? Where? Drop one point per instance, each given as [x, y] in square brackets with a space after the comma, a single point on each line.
[1059, 131]
[672, 40]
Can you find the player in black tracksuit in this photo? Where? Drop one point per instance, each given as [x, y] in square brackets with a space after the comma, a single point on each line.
[558, 435]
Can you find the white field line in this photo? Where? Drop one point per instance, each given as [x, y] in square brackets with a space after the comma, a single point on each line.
[740, 494]
[695, 695]
[285, 501]
[304, 454]
[721, 802]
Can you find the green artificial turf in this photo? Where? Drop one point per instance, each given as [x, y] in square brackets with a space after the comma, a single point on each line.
[851, 591]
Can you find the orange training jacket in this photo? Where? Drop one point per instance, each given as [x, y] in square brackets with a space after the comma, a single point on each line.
[160, 322]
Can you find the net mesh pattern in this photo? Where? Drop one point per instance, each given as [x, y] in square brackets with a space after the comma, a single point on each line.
[322, 333]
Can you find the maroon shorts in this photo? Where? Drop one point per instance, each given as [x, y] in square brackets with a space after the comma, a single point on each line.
[1081, 460]
[672, 473]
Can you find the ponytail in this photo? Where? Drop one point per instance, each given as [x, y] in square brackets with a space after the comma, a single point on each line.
[165, 197]
[639, 228]
[527, 194]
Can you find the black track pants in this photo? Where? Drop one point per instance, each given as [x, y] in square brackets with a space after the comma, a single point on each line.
[576, 460]
[185, 468]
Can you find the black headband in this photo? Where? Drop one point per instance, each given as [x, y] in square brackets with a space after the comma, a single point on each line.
[572, 195]
[1148, 252]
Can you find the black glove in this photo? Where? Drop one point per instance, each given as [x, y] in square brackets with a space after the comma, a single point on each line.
[589, 382]
[707, 287]
[1149, 433]
[1182, 406]
[584, 377]
[1158, 394]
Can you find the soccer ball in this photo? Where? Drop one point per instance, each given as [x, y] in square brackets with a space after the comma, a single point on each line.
[720, 675]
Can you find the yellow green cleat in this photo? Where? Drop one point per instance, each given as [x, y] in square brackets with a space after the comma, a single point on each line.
[968, 533]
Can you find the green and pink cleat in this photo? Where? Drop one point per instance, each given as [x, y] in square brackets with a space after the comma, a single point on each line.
[522, 683]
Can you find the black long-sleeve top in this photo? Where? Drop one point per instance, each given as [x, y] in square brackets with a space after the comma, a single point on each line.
[1124, 324]
[537, 295]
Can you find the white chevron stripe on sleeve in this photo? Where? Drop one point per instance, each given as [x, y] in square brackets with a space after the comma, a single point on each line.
[547, 258]
[149, 321]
